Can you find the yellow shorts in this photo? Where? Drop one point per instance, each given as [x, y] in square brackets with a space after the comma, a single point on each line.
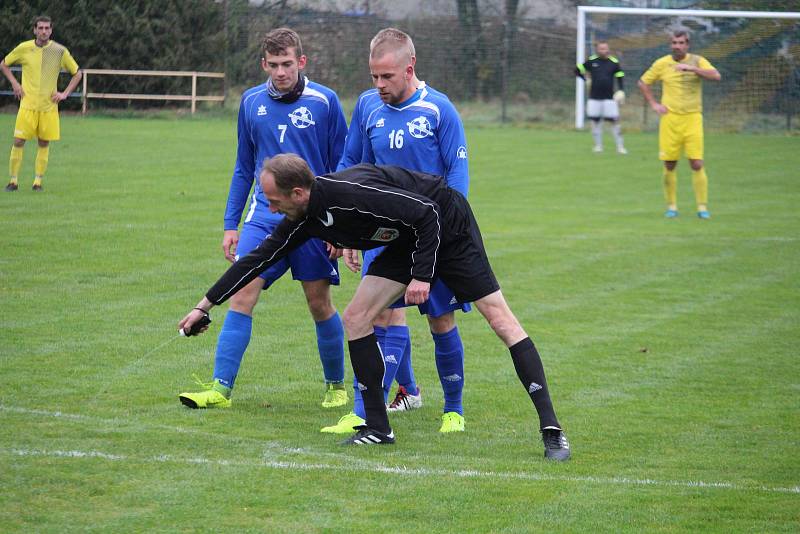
[42, 125]
[676, 132]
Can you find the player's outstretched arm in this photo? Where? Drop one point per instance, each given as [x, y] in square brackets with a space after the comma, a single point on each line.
[195, 315]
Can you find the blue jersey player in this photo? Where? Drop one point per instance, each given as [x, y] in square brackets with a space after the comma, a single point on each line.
[404, 122]
[287, 114]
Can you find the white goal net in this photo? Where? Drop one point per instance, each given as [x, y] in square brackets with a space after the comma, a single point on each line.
[757, 53]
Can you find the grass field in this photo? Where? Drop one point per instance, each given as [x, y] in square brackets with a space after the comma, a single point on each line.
[670, 346]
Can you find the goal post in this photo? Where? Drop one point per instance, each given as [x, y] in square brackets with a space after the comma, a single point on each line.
[763, 84]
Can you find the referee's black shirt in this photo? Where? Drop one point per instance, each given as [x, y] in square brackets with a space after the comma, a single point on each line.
[362, 207]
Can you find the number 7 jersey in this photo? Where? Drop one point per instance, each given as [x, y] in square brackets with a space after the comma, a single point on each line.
[313, 127]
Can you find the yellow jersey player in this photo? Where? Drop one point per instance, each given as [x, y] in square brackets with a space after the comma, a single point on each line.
[681, 110]
[41, 60]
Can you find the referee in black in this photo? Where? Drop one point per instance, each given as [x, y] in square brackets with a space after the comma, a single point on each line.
[603, 103]
[429, 232]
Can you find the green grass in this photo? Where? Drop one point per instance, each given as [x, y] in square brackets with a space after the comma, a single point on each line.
[670, 347]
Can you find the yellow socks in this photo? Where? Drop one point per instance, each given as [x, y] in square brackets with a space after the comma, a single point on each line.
[700, 185]
[671, 188]
[42, 155]
[15, 162]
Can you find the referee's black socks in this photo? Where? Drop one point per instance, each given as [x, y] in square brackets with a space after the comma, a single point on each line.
[368, 366]
[531, 373]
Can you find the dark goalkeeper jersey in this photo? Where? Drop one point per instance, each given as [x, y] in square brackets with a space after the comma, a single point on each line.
[603, 73]
[362, 207]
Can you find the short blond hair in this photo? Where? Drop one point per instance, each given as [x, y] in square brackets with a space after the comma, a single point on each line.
[392, 40]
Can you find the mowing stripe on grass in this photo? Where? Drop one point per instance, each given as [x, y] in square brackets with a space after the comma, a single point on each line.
[392, 470]
[356, 466]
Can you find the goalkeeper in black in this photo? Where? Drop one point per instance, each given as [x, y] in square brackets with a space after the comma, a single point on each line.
[429, 232]
[603, 103]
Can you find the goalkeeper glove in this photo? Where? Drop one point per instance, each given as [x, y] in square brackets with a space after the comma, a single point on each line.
[619, 96]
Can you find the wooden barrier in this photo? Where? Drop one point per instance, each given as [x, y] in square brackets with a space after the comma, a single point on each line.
[193, 98]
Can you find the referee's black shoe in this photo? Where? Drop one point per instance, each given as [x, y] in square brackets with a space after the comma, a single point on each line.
[556, 446]
[369, 436]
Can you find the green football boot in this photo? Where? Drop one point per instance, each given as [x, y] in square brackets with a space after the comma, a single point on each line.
[215, 396]
[335, 396]
[452, 422]
[345, 425]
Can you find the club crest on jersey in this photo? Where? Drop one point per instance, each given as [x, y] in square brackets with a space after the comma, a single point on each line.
[380, 123]
[384, 235]
[262, 110]
[301, 118]
[419, 127]
[461, 153]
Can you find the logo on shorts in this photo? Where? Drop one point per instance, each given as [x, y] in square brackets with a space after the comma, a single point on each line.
[384, 235]
[534, 387]
[18, 132]
[390, 359]
[453, 301]
[361, 387]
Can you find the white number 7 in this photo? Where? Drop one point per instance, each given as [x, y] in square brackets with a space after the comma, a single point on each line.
[282, 128]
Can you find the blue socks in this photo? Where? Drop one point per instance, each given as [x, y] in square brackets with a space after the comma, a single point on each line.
[231, 344]
[405, 371]
[330, 341]
[398, 338]
[450, 364]
[235, 336]
[449, 352]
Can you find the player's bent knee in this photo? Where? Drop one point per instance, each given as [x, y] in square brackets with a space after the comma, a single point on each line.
[357, 322]
[318, 298]
[244, 300]
[670, 165]
[19, 142]
[508, 329]
[443, 323]
[696, 164]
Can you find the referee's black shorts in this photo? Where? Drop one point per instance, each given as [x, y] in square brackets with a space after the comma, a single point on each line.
[461, 261]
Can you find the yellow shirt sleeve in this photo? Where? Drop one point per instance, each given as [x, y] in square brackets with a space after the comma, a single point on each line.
[15, 55]
[653, 74]
[68, 63]
[704, 64]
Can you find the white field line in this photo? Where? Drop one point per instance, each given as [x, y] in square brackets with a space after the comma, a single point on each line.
[362, 467]
[391, 470]
[272, 448]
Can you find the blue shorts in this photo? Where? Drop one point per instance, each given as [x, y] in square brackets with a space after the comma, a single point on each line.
[308, 262]
[440, 301]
